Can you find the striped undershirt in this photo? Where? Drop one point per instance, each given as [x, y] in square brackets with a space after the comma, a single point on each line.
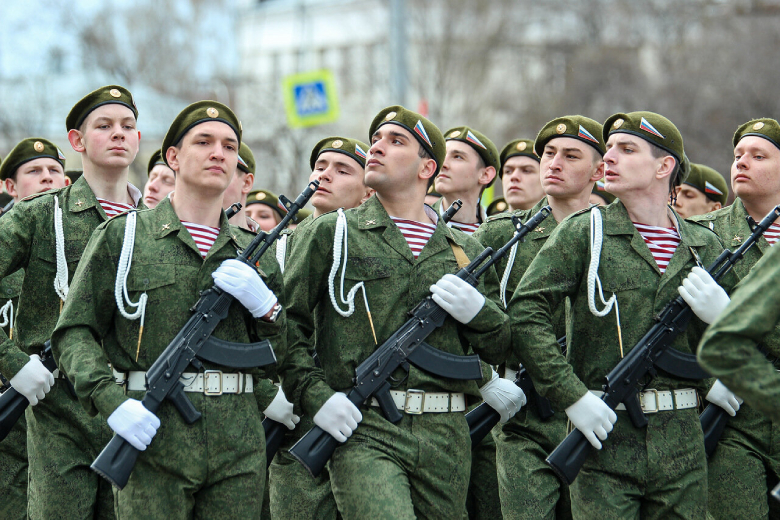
[469, 229]
[662, 242]
[204, 236]
[113, 209]
[772, 234]
[416, 233]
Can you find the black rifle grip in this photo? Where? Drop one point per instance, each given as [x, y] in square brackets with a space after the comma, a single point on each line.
[314, 450]
[635, 413]
[481, 420]
[387, 405]
[12, 407]
[713, 422]
[567, 459]
[274, 436]
[116, 461]
[183, 403]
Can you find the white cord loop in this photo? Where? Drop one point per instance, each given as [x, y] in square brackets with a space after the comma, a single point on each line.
[281, 251]
[7, 314]
[61, 279]
[123, 270]
[507, 271]
[339, 240]
[596, 238]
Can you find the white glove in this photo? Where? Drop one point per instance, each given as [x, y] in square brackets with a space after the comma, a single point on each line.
[134, 423]
[243, 283]
[458, 298]
[706, 298]
[592, 417]
[338, 416]
[281, 410]
[504, 396]
[721, 396]
[33, 381]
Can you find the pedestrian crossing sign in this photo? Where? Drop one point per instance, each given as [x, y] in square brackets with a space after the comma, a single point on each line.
[310, 98]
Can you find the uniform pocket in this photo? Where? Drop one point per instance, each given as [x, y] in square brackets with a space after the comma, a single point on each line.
[367, 268]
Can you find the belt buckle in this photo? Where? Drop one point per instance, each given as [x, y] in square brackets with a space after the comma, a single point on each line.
[642, 400]
[410, 392]
[206, 377]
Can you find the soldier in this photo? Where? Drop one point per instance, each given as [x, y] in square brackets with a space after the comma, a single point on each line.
[264, 208]
[46, 237]
[34, 165]
[570, 149]
[398, 252]
[704, 191]
[469, 168]
[638, 256]
[746, 462]
[239, 189]
[161, 181]
[519, 174]
[497, 206]
[215, 466]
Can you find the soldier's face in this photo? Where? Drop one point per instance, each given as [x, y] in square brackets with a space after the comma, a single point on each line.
[207, 158]
[110, 137]
[341, 182]
[238, 188]
[755, 172]
[394, 161]
[463, 172]
[266, 218]
[690, 202]
[161, 182]
[568, 167]
[36, 176]
[629, 164]
[522, 186]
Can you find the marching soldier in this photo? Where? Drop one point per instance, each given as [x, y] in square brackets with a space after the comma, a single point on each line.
[45, 235]
[215, 466]
[263, 207]
[637, 251]
[34, 165]
[570, 149]
[398, 251]
[239, 188]
[161, 181]
[519, 174]
[705, 190]
[746, 462]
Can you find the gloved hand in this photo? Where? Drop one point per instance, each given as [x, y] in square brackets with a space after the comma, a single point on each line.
[592, 417]
[134, 423]
[458, 298]
[706, 298]
[503, 396]
[281, 410]
[721, 396]
[243, 283]
[33, 381]
[338, 416]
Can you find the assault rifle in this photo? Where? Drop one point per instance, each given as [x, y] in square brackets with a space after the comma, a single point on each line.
[276, 431]
[622, 383]
[407, 345]
[193, 344]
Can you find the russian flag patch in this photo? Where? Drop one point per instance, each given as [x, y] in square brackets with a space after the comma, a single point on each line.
[473, 139]
[60, 154]
[586, 135]
[709, 188]
[600, 186]
[647, 127]
[242, 162]
[420, 130]
[359, 151]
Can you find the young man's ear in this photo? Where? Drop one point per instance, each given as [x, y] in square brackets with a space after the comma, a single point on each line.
[172, 156]
[76, 140]
[427, 169]
[10, 188]
[665, 167]
[487, 175]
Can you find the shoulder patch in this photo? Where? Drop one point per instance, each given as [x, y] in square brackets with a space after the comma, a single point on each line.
[41, 194]
[580, 212]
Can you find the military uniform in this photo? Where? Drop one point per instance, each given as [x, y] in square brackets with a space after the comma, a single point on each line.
[423, 460]
[657, 471]
[747, 459]
[215, 467]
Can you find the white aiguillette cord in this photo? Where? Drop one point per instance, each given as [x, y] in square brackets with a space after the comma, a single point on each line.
[339, 241]
[61, 278]
[7, 317]
[120, 285]
[596, 238]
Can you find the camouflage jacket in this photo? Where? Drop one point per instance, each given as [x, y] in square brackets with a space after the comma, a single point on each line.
[10, 289]
[27, 242]
[378, 256]
[628, 270]
[168, 267]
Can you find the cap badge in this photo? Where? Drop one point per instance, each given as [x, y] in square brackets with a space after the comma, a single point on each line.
[583, 133]
[522, 145]
[115, 93]
[758, 126]
[260, 196]
[618, 123]
[212, 112]
[38, 146]
[561, 128]
[389, 116]
[454, 133]
[359, 151]
[650, 129]
[419, 129]
[501, 206]
[240, 127]
[473, 140]
[337, 143]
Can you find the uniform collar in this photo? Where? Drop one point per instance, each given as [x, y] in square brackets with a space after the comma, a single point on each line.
[546, 227]
[166, 221]
[82, 197]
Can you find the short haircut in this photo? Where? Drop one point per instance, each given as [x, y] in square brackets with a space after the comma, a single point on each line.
[659, 152]
[424, 154]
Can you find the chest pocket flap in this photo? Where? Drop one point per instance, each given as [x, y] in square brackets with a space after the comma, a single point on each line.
[147, 277]
[367, 268]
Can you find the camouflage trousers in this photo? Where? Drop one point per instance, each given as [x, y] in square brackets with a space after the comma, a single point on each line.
[418, 468]
[656, 472]
[745, 467]
[62, 442]
[528, 488]
[13, 473]
[295, 494]
[482, 502]
[213, 468]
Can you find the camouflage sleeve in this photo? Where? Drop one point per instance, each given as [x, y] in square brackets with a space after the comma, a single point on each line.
[555, 273]
[306, 273]
[489, 331]
[729, 349]
[265, 391]
[17, 231]
[86, 318]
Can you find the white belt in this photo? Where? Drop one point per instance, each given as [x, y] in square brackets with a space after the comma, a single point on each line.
[416, 402]
[210, 382]
[653, 401]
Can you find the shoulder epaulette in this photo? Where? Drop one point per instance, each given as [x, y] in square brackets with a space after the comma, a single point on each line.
[505, 215]
[48, 192]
